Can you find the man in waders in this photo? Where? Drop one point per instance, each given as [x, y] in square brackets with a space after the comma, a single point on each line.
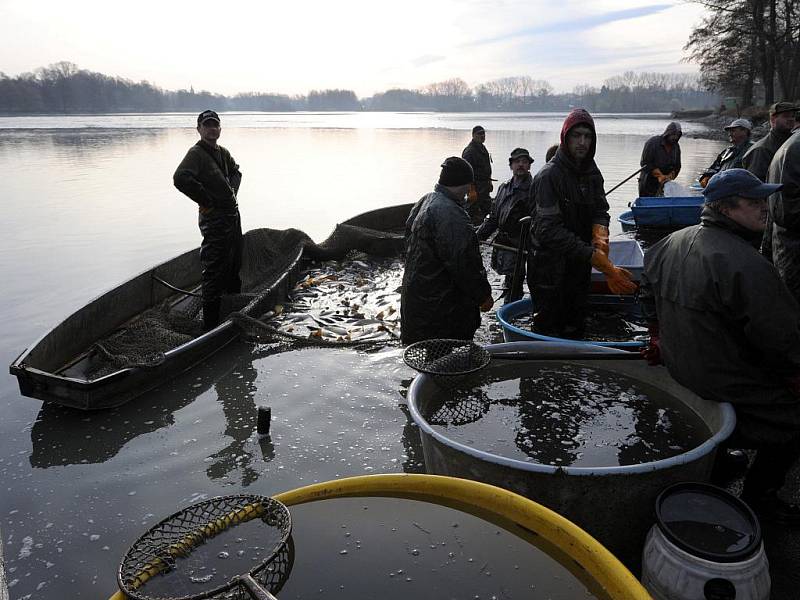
[732, 157]
[512, 203]
[781, 122]
[661, 161]
[209, 176]
[444, 283]
[727, 328]
[480, 160]
[570, 233]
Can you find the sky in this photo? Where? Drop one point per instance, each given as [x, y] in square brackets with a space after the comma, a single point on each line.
[365, 45]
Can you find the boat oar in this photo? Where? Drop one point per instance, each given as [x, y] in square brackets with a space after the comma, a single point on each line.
[628, 178]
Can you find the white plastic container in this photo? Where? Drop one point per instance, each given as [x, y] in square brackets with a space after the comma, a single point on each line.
[712, 549]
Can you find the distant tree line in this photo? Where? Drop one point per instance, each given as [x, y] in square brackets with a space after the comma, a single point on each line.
[749, 49]
[630, 92]
[65, 88]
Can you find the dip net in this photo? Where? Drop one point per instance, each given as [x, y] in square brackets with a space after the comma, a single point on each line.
[176, 544]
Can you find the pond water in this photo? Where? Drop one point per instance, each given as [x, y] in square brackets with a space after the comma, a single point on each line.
[89, 202]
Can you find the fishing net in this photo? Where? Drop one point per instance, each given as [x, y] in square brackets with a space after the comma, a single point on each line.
[270, 267]
[446, 357]
[176, 537]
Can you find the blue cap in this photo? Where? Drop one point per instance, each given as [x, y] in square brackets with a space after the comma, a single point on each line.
[738, 182]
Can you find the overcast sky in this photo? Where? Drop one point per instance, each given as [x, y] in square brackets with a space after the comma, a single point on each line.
[363, 45]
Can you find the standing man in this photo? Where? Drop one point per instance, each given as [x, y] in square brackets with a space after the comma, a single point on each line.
[781, 121]
[480, 160]
[209, 176]
[570, 233]
[512, 203]
[731, 158]
[781, 242]
[727, 327]
[661, 160]
[444, 284]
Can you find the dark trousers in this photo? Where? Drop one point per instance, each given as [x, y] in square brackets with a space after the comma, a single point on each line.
[220, 259]
[560, 293]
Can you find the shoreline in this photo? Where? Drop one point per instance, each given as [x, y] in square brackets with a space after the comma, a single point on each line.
[715, 123]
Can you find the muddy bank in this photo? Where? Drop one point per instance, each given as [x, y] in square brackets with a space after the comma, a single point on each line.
[716, 123]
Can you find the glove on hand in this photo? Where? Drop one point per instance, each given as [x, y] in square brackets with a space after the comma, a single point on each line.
[659, 175]
[620, 281]
[600, 238]
[652, 353]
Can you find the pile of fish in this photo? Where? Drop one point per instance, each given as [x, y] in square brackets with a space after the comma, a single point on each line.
[350, 301]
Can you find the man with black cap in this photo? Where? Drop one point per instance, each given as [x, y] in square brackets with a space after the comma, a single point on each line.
[661, 160]
[731, 158]
[726, 326]
[570, 233]
[781, 121]
[480, 160]
[512, 203]
[444, 283]
[781, 243]
[209, 176]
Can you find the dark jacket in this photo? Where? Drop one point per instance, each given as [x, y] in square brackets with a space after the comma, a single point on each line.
[478, 156]
[730, 158]
[209, 176]
[658, 154]
[783, 225]
[730, 329]
[444, 282]
[512, 202]
[569, 199]
[759, 156]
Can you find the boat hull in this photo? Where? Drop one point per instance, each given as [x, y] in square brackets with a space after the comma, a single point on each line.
[44, 370]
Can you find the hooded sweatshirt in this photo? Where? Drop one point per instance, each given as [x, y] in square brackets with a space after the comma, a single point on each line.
[659, 154]
[569, 198]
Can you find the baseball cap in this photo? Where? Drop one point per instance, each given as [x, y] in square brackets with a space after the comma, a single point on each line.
[740, 123]
[477, 129]
[738, 182]
[780, 107]
[206, 115]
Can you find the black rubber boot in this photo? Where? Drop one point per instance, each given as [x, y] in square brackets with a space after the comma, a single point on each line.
[211, 314]
[728, 465]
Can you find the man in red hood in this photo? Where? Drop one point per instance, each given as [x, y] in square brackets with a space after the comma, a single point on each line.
[570, 233]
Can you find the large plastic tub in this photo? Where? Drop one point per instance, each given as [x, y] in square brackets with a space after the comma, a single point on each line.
[512, 333]
[614, 504]
[673, 212]
[624, 253]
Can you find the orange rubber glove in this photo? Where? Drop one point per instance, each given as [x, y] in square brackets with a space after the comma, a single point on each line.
[487, 304]
[620, 281]
[659, 175]
[704, 180]
[600, 238]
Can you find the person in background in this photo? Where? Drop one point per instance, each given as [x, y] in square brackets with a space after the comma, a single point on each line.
[512, 203]
[551, 152]
[781, 122]
[726, 327]
[569, 233]
[209, 176]
[781, 242]
[480, 160]
[731, 158]
[661, 161]
[444, 283]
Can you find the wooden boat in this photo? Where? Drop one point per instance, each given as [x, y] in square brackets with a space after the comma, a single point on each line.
[64, 365]
[666, 212]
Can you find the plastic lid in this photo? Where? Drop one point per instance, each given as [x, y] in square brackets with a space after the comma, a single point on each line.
[708, 522]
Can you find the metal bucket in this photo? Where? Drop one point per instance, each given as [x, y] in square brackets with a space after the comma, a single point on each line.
[614, 504]
[512, 333]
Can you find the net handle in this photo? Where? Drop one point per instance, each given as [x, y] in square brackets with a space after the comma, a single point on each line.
[254, 589]
[190, 540]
